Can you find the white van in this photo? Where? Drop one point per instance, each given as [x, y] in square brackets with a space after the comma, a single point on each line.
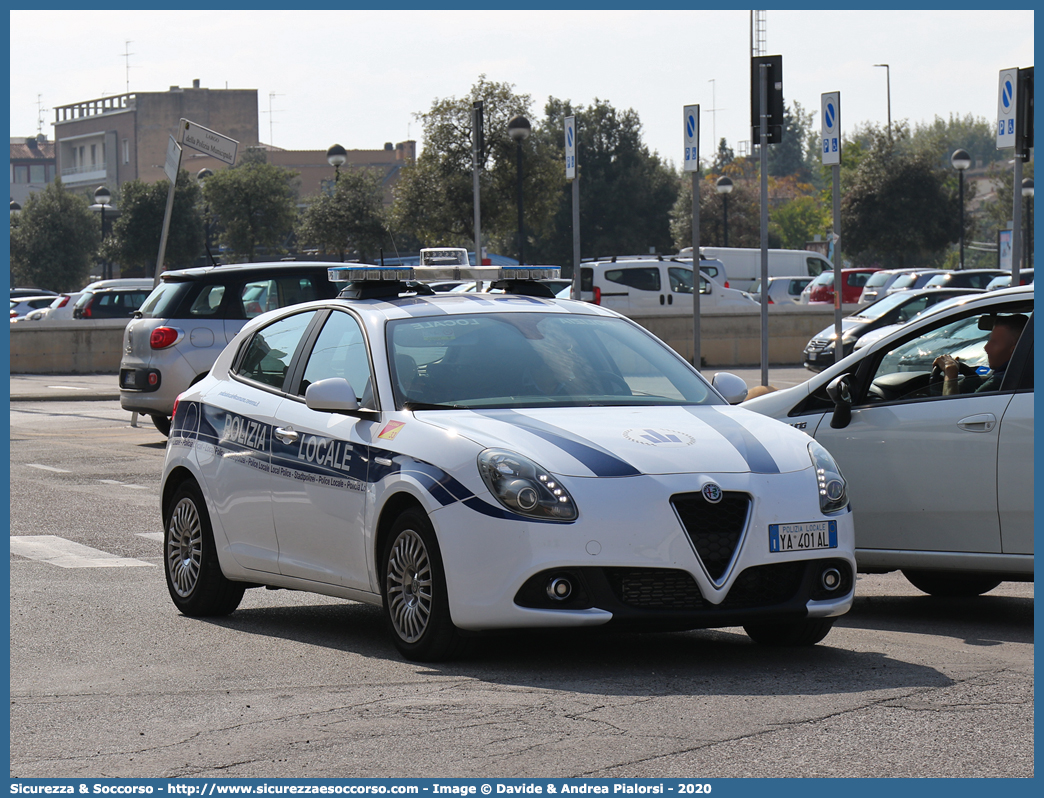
[743, 264]
[654, 287]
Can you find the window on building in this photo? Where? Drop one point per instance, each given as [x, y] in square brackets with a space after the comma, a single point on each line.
[21, 174]
[37, 173]
[80, 161]
[94, 154]
[126, 151]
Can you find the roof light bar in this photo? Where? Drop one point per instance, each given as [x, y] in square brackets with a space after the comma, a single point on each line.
[361, 273]
[424, 274]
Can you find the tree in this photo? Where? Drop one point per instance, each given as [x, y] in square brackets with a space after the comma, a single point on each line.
[135, 238]
[898, 210]
[626, 192]
[255, 203]
[434, 199]
[350, 218]
[54, 238]
[799, 220]
[744, 215]
[941, 137]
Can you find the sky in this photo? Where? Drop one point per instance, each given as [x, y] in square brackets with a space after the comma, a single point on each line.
[358, 78]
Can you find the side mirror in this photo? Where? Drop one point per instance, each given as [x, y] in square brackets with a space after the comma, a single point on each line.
[840, 392]
[733, 388]
[333, 395]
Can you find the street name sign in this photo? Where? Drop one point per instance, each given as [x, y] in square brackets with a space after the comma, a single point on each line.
[207, 141]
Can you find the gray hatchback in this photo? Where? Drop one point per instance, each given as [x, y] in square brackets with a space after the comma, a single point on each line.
[177, 334]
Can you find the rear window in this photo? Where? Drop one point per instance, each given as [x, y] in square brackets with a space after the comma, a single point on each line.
[164, 300]
[643, 279]
[877, 279]
[817, 266]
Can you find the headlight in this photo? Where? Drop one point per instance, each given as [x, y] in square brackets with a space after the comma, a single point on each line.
[833, 490]
[524, 487]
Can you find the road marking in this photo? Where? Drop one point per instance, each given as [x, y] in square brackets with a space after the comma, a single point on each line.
[67, 387]
[157, 536]
[64, 553]
[123, 484]
[49, 468]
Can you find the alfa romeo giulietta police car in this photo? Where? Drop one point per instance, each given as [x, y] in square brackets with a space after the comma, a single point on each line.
[496, 461]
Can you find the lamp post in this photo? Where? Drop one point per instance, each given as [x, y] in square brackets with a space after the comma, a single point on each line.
[1027, 192]
[961, 160]
[15, 208]
[888, 85]
[201, 177]
[336, 156]
[724, 187]
[518, 129]
[101, 199]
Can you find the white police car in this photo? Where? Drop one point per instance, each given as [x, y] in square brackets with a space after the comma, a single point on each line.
[494, 461]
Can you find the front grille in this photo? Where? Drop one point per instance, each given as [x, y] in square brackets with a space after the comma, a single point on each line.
[655, 588]
[764, 586]
[714, 529]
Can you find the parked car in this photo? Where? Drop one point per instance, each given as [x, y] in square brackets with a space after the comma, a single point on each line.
[821, 289]
[192, 314]
[943, 482]
[892, 309]
[24, 305]
[1004, 280]
[871, 336]
[19, 293]
[508, 463]
[781, 290]
[879, 283]
[965, 278]
[711, 267]
[109, 303]
[61, 309]
[913, 280]
[654, 287]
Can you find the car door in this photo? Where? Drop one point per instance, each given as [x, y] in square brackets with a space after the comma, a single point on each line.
[320, 461]
[1015, 453]
[922, 467]
[634, 290]
[238, 415]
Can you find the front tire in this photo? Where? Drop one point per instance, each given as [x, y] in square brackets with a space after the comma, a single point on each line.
[806, 632]
[194, 578]
[413, 586]
[950, 584]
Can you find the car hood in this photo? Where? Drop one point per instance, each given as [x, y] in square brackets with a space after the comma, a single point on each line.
[847, 323]
[630, 441]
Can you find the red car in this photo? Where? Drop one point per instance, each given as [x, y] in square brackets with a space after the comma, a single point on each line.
[852, 281]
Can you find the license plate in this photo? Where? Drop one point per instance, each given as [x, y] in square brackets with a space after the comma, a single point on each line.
[127, 379]
[805, 536]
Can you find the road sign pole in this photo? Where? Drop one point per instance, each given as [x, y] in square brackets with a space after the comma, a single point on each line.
[573, 175]
[838, 285]
[476, 167]
[1016, 221]
[171, 167]
[697, 352]
[763, 77]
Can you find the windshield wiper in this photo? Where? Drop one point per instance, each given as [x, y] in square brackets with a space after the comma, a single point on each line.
[411, 405]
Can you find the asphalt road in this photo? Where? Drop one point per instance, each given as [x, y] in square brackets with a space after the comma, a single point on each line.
[108, 680]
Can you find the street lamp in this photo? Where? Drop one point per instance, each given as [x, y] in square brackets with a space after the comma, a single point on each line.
[961, 160]
[518, 129]
[15, 207]
[201, 176]
[101, 198]
[888, 84]
[336, 156]
[724, 187]
[1027, 192]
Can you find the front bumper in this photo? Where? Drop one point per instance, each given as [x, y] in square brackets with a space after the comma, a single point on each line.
[631, 562]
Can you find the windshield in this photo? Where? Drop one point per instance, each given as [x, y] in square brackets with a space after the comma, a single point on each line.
[882, 306]
[877, 279]
[508, 360]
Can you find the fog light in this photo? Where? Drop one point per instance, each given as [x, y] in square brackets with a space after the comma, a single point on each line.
[559, 589]
[831, 579]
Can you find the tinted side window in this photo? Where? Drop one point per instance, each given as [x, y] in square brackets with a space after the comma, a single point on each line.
[340, 351]
[259, 296]
[208, 303]
[644, 279]
[817, 266]
[268, 355]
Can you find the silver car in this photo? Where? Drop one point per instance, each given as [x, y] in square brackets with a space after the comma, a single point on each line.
[177, 334]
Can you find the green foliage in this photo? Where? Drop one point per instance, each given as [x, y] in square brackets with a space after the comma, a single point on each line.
[348, 219]
[799, 220]
[255, 205]
[135, 238]
[54, 238]
[744, 215]
[434, 199]
[626, 192]
[898, 210]
[939, 139]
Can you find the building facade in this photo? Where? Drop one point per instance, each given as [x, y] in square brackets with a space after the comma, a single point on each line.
[32, 165]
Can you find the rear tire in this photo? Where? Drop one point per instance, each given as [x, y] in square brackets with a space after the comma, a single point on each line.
[806, 632]
[413, 586]
[194, 578]
[162, 423]
[951, 584]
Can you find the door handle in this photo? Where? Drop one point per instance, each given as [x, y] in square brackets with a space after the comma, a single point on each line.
[286, 434]
[983, 422]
